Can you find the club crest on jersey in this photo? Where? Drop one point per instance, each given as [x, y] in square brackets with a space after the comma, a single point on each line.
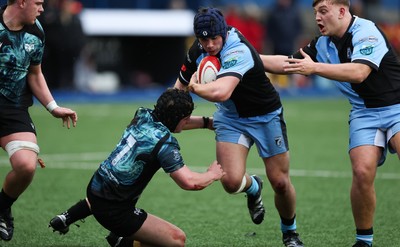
[367, 50]
[278, 141]
[349, 52]
[29, 47]
[176, 154]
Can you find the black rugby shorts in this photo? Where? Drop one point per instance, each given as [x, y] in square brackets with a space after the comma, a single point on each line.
[121, 218]
[14, 120]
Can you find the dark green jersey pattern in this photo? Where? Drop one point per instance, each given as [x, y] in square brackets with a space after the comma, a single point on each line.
[144, 148]
[18, 50]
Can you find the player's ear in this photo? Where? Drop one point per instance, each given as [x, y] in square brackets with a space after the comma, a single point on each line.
[342, 12]
[21, 3]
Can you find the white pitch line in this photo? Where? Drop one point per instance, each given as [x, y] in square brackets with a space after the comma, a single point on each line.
[90, 161]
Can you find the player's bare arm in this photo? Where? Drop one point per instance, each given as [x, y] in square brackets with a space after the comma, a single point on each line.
[274, 63]
[41, 91]
[199, 122]
[190, 180]
[349, 72]
[216, 91]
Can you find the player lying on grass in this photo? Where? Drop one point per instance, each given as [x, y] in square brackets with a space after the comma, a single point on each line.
[146, 146]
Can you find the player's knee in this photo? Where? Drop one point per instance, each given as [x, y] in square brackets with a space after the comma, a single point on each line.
[280, 185]
[25, 169]
[234, 186]
[24, 164]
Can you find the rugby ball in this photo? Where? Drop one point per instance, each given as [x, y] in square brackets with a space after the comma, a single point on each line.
[208, 69]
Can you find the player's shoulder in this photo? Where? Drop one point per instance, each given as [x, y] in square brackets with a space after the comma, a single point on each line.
[235, 45]
[36, 30]
[362, 26]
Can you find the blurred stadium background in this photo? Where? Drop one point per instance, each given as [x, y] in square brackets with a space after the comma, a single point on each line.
[97, 47]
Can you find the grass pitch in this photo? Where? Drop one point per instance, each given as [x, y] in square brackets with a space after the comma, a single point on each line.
[320, 171]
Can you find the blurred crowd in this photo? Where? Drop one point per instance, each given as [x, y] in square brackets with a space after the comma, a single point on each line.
[274, 27]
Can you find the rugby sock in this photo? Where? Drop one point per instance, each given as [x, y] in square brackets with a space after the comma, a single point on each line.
[252, 190]
[365, 235]
[288, 224]
[5, 200]
[77, 212]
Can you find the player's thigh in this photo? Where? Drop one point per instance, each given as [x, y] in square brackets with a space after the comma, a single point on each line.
[24, 158]
[158, 232]
[364, 160]
[232, 158]
[277, 169]
[395, 143]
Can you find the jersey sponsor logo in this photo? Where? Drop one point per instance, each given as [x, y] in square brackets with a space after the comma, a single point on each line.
[230, 63]
[371, 39]
[29, 47]
[367, 50]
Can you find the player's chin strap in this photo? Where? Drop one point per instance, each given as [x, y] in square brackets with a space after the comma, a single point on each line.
[14, 146]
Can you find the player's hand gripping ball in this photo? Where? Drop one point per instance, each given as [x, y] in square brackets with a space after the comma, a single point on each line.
[208, 69]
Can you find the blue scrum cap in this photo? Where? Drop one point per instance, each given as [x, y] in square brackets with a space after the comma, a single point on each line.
[209, 22]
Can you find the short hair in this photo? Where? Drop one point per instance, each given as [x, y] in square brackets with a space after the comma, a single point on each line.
[172, 106]
[342, 2]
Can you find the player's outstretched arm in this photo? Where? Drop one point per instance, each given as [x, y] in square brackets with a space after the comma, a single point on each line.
[189, 180]
[274, 63]
[199, 122]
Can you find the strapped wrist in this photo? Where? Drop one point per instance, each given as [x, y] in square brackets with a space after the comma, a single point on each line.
[206, 121]
[51, 106]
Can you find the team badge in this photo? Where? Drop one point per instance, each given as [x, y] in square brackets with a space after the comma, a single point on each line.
[29, 47]
[349, 52]
[278, 141]
[176, 154]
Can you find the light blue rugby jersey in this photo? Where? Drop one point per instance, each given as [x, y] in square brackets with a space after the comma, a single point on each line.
[18, 50]
[254, 95]
[363, 43]
[130, 166]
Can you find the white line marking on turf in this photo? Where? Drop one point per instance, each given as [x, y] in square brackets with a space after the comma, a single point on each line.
[90, 161]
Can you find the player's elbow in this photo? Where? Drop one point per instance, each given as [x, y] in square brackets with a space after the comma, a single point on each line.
[358, 77]
[190, 185]
[360, 74]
